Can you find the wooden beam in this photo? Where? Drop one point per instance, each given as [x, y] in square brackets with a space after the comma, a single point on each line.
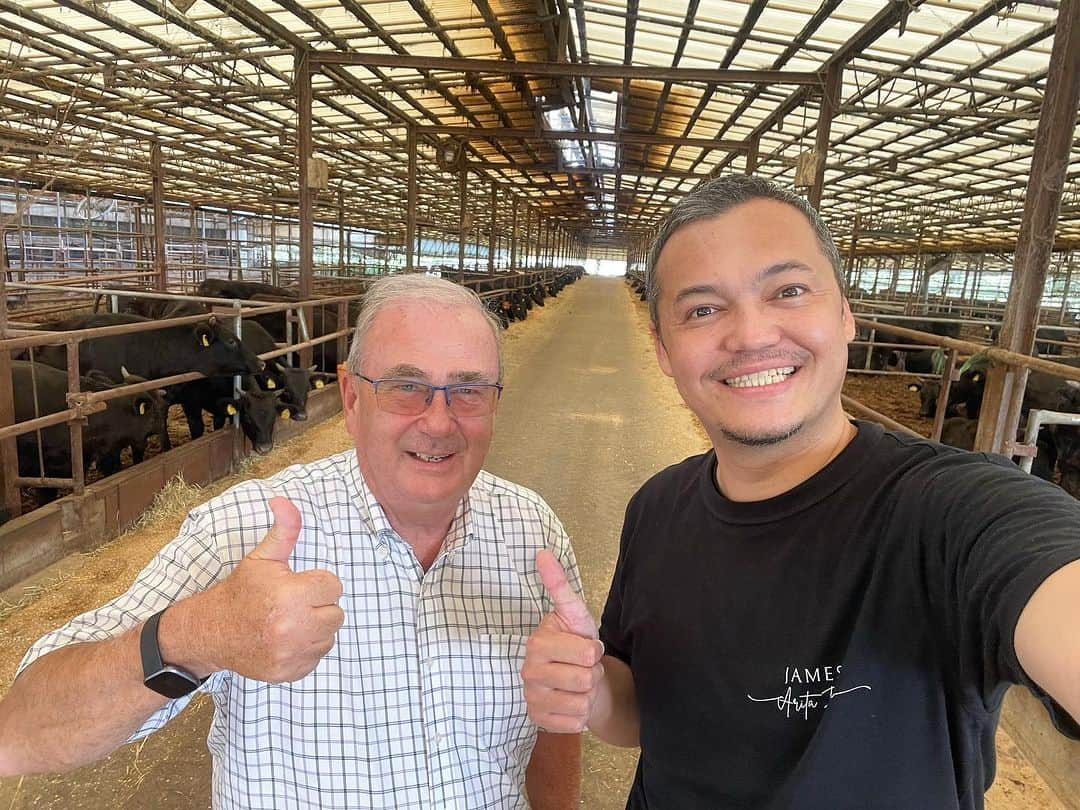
[830, 101]
[1000, 412]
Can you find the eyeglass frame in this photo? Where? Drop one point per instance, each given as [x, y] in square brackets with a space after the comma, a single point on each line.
[446, 389]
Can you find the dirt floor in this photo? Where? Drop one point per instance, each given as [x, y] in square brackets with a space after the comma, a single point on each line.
[586, 417]
[889, 395]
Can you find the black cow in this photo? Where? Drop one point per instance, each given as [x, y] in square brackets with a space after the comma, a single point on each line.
[959, 431]
[1047, 333]
[296, 383]
[927, 361]
[125, 422]
[244, 290]
[206, 347]
[1067, 445]
[929, 391]
[259, 410]
[943, 328]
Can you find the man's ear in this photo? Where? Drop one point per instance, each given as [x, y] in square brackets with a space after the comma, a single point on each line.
[849, 321]
[661, 350]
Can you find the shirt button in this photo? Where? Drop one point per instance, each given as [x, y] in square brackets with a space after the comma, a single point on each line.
[382, 552]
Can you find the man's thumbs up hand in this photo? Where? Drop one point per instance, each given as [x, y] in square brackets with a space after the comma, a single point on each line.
[279, 542]
[569, 607]
[273, 624]
[562, 667]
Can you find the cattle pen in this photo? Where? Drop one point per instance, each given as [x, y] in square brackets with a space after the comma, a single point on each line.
[195, 195]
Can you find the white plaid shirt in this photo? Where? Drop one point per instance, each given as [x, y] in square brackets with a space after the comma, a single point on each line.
[419, 704]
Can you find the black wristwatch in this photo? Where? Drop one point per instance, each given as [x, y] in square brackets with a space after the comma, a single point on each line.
[172, 682]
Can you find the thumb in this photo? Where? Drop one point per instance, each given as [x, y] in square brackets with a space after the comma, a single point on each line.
[569, 607]
[281, 539]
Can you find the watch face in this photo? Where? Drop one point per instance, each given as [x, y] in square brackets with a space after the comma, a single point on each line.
[171, 683]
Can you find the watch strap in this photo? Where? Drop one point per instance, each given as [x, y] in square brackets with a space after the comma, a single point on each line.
[152, 665]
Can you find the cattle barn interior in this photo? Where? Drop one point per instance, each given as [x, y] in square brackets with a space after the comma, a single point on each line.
[171, 170]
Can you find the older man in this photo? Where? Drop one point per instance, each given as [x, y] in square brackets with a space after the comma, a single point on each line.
[359, 621]
[816, 613]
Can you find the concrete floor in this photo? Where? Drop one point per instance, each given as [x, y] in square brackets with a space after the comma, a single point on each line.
[586, 418]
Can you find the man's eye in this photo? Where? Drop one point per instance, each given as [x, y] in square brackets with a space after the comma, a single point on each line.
[702, 311]
[405, 387]
[794, 291]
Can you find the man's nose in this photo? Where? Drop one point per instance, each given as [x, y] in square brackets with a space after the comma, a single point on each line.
[436, 420]
[750, 327]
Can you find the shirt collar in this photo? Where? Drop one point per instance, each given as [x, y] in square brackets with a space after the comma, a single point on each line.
[463, 527]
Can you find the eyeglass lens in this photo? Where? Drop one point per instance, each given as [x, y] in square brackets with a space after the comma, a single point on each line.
[411, 398]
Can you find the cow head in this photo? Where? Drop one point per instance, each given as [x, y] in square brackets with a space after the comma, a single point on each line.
[259, 412]
[294, 385]
[928, 393]
[219, 351]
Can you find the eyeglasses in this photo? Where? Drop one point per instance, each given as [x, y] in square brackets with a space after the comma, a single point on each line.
[412, 398]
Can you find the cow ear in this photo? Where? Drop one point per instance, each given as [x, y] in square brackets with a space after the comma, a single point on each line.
[270, 384]
[285, 411]
[202, 335]
[142, 405]
[318, 382]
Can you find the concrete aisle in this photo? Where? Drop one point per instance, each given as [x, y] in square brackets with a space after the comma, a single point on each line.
[586, 417]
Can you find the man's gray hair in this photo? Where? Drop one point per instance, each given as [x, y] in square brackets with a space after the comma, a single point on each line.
[415, 287]
[719, 195]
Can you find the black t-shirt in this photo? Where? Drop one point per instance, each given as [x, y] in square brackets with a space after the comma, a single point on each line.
[846, 644]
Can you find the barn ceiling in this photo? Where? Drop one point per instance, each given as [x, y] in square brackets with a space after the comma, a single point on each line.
[931, 143]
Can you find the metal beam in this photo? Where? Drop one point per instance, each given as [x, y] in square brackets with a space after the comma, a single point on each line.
[496, 133]
[566, 69]
[158, 186]
[410, 214]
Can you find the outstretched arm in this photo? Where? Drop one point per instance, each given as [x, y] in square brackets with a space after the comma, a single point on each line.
[1047, 638]
[80, 702]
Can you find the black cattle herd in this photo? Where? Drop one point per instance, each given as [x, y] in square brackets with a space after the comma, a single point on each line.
[1058, 455]
[271, 390]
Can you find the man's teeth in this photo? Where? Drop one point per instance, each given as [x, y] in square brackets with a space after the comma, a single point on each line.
[758, 378]
[425, 457]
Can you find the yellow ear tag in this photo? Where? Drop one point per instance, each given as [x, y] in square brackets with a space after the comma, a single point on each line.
[205, 340]
[319, 383]
[285, 414]
[270, 384]
[977, 377]
[913, 388]
[230, 410]
[142, 408]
